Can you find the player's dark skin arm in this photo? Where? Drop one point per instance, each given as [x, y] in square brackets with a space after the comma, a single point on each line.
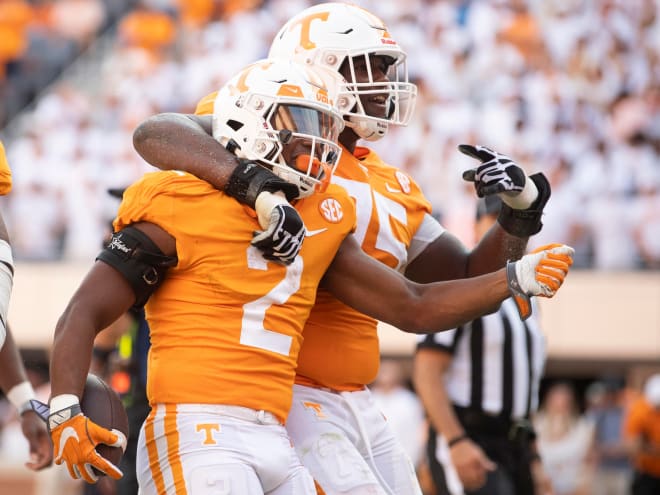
[102, 297]
[12, 372]
[446, 258]
[382, 293]
[173, 141]
[355, 278]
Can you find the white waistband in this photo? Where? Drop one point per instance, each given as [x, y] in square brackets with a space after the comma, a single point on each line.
[236, 412]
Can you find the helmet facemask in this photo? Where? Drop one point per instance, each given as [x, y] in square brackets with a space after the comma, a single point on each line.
[287, 118]
[297, 143]
[304, 149]
[377, 79]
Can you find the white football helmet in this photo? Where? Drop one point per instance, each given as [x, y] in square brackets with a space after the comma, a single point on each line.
[285, 116]
[331, 34]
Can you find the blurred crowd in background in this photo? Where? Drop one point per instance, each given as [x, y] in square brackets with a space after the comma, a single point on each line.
[570, 88]
[582, 427]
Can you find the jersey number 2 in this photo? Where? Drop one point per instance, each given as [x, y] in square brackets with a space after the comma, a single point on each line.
[253, 332]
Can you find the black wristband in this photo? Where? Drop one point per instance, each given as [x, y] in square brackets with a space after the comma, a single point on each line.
[249, 179]
[458, 439]
[523, 223]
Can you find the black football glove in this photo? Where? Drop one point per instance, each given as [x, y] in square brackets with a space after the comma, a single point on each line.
[249, 179]
[523, 198]
[497, 174]
[283, 238]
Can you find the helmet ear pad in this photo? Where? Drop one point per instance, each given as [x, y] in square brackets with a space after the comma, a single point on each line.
[367, 129]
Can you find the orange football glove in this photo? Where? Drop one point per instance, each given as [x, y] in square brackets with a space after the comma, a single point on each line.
[540, 273]
[75, 438]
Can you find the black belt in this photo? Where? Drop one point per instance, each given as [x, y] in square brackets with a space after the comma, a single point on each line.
[481, 423]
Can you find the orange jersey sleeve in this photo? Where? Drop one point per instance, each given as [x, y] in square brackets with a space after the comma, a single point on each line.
[205, 105]
[341, 349]
[226, 325]
[5, 172]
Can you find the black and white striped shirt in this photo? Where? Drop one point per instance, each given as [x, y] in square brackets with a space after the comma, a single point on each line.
[497, 363]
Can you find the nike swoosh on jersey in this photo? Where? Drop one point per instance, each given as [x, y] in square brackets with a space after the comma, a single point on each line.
[311, 233]
[68, 432]
[392, 189]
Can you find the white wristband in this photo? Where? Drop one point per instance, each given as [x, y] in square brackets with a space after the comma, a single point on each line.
[265, 203]
[20, 396]
[525, 198]
[63, 401]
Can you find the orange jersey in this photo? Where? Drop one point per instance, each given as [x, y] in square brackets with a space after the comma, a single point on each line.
[643, 420]
[226, 325]
[341, 349]
[5, 172]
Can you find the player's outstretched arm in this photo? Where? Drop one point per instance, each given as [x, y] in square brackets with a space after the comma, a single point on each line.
[524, 198]
[172, 141]
[373, 289]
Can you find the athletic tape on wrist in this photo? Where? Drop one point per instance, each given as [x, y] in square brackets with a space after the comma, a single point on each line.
[20, 396]
[63, 401]
[526, 197]
[264, 205]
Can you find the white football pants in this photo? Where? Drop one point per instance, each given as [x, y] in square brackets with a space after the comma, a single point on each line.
[201, 449]
[345, 442]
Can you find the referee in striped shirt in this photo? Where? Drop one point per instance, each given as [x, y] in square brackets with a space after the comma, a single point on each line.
[479, 384]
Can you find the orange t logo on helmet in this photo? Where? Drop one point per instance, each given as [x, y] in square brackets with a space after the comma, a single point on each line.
[241, 86]
[305, 42]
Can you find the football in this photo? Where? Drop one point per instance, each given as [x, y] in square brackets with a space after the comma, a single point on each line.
[103, 406]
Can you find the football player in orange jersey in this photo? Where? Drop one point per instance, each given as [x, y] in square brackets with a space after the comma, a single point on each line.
[226, 324]
[332, 409]
[13, 378]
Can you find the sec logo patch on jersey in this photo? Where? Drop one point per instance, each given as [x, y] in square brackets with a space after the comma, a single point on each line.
[403, 180]
[331, 210]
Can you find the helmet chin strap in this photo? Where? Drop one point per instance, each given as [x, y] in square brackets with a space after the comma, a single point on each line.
[367, 129]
